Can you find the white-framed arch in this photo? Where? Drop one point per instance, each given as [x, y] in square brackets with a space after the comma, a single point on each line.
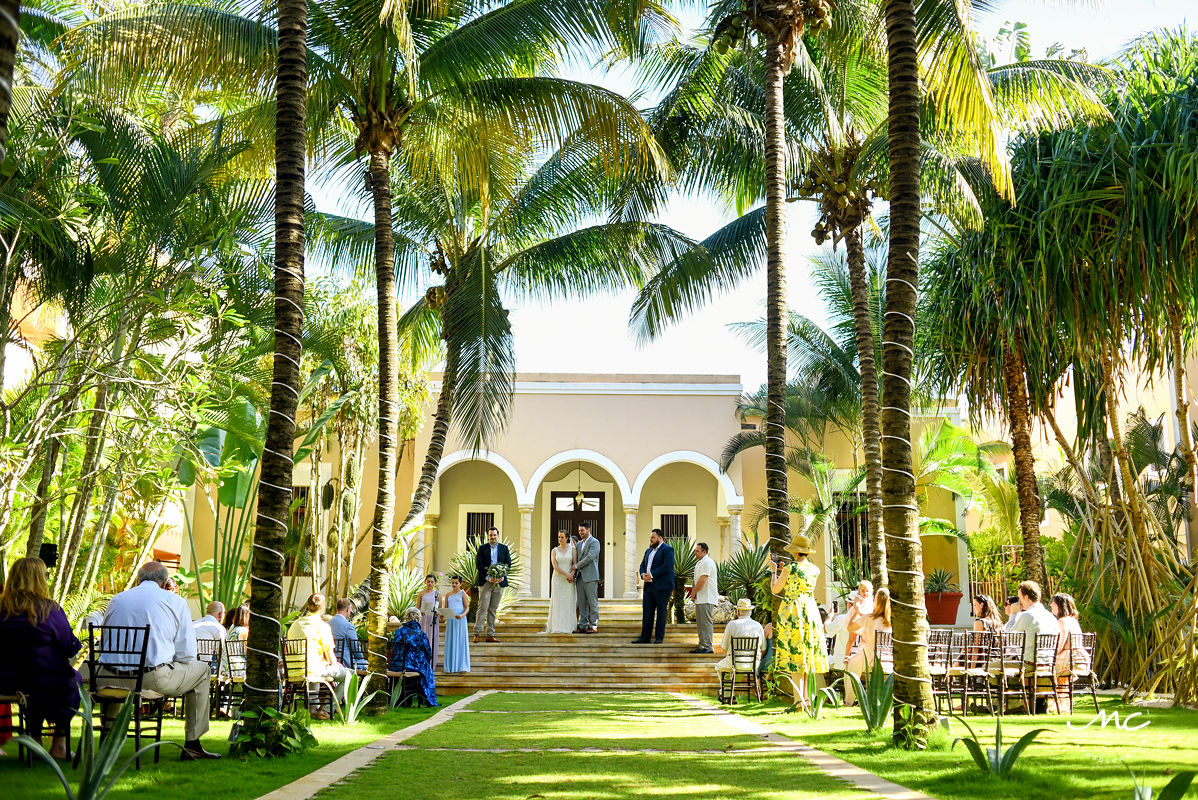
[505, 466]
[565, 457]
[731, 496]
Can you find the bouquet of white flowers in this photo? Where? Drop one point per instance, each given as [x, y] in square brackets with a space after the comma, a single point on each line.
[498, 572]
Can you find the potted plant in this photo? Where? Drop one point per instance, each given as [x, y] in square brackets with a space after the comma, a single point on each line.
[942, 597]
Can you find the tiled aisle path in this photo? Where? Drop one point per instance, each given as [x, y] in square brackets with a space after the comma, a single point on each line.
[572, 746]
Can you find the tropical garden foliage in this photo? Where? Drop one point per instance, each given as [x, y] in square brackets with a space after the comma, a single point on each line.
[194, 329]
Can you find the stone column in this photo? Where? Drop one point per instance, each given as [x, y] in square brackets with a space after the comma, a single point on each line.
[734, 528]
[425, 542]
[724, 523]
[632, 556]
[525, 587]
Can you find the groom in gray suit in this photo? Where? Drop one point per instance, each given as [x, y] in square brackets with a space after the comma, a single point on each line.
[586, 576]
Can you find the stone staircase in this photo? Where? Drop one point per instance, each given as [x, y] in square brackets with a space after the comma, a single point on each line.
[527, 659]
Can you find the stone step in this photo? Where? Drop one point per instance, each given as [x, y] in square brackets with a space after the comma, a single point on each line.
[471, 681]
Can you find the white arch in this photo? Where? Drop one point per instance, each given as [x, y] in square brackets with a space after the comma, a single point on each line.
[567, 456]
[489, 457]
[731, 495]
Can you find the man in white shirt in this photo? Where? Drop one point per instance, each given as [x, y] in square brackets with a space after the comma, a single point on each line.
[705, 592]
[209, 626]
[743, 626]
[171, 666]
[1033, 619]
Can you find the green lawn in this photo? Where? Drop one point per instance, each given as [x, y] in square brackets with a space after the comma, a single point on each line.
[227, 779]
[1062, 764]
[577, 722]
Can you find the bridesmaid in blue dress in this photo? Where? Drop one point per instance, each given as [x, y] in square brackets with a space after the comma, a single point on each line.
[457, 633]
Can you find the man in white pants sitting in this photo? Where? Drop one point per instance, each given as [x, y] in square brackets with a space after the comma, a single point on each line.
[171, 666]
[744, 625]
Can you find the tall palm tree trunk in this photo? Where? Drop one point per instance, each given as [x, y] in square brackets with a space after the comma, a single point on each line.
[777, 496]
[870, 431]
[278, 456]
[436, 447]
[10, 32]
[1019, 420]
[388, 429]
[1184, 444]
[912, 687]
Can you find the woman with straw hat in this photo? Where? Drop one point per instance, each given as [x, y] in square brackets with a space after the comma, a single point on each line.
[798, 632]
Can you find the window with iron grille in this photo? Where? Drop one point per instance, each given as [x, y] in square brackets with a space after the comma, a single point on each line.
[477, 525]
[674, 526]
[851, 562]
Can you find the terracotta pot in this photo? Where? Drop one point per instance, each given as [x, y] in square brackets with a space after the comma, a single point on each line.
[942, 607]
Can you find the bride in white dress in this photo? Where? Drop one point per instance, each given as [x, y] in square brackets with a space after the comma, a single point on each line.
[563, 614]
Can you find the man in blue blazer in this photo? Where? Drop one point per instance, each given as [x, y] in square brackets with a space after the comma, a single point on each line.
[489, 589]
[657, 571]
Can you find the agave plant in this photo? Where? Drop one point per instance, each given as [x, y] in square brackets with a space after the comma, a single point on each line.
[403, 587]
[875, 696]
[995, 760]
[744, 571]
[463, 565]
[1174, 789]
[356, 698]
[684, 572]
[98, 771]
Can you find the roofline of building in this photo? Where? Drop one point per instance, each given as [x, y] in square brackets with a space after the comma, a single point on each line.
[620, 384]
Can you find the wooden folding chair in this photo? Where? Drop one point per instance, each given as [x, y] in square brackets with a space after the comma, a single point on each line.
[210, 651]
[16, 721]
[884, 650]
[121, 675]
[1006, 668]
[315, 692]
[938, 643]
[1082, 675]
[744, 664]
[1040, 675]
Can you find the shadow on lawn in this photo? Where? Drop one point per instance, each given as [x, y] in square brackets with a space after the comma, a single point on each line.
[1062, 764]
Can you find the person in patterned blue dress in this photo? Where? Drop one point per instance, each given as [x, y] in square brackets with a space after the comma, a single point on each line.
[410, 652]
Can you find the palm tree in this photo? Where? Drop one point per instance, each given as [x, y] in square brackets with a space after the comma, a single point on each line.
[387, 79]
[278, 461]
[779, 25]
[836, 120]
[10, 36]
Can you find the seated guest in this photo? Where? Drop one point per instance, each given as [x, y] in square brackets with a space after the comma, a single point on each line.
[322, 664]
[1072, 658]
[743, 626]
[38, 648]
[863, 659]
[237, 622]
[985, 614]
[1012, 611]
[1033, 619]
[411, 652]
[210, 626]
[171, 666]
[767, 657]
[345, 637]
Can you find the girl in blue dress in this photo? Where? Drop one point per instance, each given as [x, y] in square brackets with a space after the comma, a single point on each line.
[457, 633]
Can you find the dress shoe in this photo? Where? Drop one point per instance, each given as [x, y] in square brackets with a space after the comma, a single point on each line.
[591, 630]
[640, 641]
[657, 641]
[701, 650]
[492, 638]
[196, 754]
[580, 630]
[477, 639]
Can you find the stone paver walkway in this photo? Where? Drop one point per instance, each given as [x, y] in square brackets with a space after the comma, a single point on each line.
[349, 763]
[829, 764]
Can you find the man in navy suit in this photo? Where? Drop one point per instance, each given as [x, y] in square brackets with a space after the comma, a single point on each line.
[489, 589]
[657, 571]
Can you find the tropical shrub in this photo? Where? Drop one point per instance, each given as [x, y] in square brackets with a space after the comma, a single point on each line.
[875, 696]
[994, 760]
[275, 734]
[356, 698]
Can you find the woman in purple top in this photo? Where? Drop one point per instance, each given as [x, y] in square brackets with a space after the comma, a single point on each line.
[39, 645]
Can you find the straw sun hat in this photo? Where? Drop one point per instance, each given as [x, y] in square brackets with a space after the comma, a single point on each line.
[799, 545]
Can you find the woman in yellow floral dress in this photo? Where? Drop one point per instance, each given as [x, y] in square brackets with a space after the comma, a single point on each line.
[799, 647]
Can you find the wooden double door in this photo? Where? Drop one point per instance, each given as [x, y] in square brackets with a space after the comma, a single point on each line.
[566, 514]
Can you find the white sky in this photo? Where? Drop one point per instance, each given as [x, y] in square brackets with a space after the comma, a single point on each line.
[593, 336]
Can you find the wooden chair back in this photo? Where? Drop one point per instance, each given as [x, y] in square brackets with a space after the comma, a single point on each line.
[744, 653]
